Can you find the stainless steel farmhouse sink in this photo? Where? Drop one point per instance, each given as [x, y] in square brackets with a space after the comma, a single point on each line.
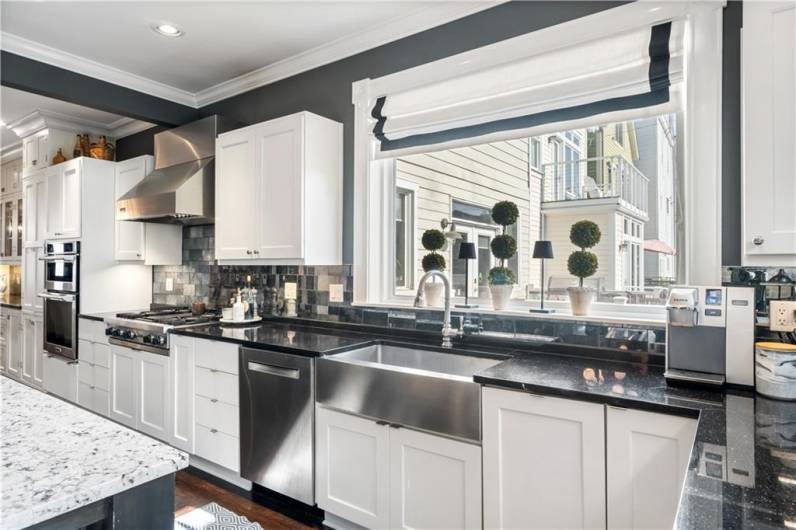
[413, 387]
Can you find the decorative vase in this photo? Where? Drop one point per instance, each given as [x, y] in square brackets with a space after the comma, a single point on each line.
[59, 157]
[434, 294]
[501, 294]
[580, 299]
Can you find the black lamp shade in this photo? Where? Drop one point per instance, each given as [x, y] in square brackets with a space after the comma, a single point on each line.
[543, 250]
[467, 250]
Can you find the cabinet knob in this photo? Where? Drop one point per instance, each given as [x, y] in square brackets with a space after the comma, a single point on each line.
[256, 251]
[758, 241]
[249, 252]
[213, 431]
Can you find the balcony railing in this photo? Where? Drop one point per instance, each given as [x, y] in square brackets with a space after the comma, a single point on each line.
[595, 178]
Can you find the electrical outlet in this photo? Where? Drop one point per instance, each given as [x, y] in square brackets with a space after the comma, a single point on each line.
[782, 315]
[169, 284]
[290, 290]
[336, 292]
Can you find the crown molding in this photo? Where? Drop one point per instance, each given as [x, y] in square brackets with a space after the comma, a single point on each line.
[75, 63]
[43, 119]
[419, 20]
[415, 22]
[126, 127]
[11, 152]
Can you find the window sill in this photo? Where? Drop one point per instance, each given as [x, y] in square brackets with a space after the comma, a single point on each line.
[652, 317]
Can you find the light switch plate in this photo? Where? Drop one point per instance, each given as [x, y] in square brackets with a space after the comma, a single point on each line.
[290, 290]
[169, 284]
[336, 292]
[782, 315]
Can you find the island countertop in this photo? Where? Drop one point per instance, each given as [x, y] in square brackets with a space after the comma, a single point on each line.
[57, 457]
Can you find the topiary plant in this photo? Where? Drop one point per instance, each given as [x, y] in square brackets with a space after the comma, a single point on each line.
[433, 240]
[503, 246]
[582, 263]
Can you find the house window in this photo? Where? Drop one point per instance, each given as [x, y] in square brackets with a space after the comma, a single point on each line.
[536, 153]
[404, 238]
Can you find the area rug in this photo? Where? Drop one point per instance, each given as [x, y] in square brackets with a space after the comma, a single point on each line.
[213, 517]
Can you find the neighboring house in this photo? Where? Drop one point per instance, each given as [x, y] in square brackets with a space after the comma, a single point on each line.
[462, 185]
[656, 139]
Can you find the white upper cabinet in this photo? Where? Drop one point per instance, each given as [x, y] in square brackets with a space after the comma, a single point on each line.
[279, 192]
[11, 177]
[63, 200]
[39, 148]
[544, 462]
[34, 200]
[647, 457]
[769, 133]
[150, 243]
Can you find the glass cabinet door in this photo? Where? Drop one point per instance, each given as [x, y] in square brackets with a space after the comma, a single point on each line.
[19, 228]
[8, 229]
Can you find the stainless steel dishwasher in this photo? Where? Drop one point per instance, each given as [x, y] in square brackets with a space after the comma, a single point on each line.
[277, 400]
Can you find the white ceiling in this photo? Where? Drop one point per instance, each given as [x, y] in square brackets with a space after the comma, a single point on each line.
[16, 104]
[222, 40]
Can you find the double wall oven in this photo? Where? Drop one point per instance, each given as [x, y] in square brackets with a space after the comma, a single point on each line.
[61, 297]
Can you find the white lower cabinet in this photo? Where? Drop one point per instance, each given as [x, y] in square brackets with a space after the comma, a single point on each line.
[182, 392]
[32, 350]
[93, 375]
[647, 457]
[382, 477]
[544, 462]
[140, 391]
[13, 343]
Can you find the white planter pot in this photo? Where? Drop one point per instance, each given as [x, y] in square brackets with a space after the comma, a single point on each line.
[501, 294]
[434, 294]
[580, 299]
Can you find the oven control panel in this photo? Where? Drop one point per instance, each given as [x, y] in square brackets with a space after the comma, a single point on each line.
[138, 339]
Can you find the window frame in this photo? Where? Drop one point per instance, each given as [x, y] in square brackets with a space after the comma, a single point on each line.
[374, 179]
[411, 250]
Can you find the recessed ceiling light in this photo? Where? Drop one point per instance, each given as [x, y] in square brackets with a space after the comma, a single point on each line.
[168, 30]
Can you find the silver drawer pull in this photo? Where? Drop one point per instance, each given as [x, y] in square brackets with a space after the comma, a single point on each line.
[290, 373]
[213, 400]
[213, 371]
[213, 431]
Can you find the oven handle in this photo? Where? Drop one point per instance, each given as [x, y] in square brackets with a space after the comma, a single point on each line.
[57, 297]
[62, 257]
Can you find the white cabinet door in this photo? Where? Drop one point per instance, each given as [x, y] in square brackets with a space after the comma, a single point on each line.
[15, 345]
[32, 280]
[280, 181]
[435, 482]
[63, 200]
[124, 395]
[34, 200]
[60, 377]
[33, 350]
[55, 202]
[769, 131]
[130, 239]
[181, 357]
[30, 153]
[85, 374]
[544, 462]
[153, 395]
[352, 468]
[237, 207]
[5, 324]
[647, 459]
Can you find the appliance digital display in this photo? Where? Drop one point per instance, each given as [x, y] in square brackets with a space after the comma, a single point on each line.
[713, 297]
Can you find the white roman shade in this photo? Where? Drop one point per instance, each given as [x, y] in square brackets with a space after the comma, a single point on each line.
[625, 76]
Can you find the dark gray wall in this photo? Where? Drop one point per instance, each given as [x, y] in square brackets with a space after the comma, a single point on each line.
[327, 90]
[731, 135]
[46, 80]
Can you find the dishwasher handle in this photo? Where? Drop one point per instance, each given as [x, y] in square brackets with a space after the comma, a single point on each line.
[270, 369]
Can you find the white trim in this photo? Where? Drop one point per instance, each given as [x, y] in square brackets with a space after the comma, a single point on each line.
[75, 63]
[43, 119]
[437, 14]
[392, 30]
[11, 152]
[703, 130]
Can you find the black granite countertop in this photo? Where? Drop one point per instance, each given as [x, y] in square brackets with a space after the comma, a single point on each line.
[752, 428]
[281, 337]
[11, 301]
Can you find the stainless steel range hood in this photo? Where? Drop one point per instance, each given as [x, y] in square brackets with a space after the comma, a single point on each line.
[181, 189]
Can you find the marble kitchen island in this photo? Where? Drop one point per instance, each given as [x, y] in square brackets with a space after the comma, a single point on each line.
[64, 467]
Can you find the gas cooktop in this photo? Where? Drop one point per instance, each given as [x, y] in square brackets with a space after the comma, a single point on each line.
[148, 330]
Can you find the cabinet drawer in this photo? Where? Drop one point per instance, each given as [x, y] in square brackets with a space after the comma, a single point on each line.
[92, 331]
[101, 377]
[85, 373]
[221, 356]
[216, 385]
[101, 403]
[93, 374]
[217, 447]
[102, 355]
[85, 395]
[218, 415]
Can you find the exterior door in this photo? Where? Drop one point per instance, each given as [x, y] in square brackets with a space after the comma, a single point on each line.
[544, 462]
[237, 207]
[435, 482]
[648, 457]
[479, 267]
[352, 468]
[281, 189]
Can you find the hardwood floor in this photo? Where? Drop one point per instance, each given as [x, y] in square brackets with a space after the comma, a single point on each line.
[194, 492]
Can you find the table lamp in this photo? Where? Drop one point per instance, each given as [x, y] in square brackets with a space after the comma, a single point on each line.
[466, 252]
[542, 250]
